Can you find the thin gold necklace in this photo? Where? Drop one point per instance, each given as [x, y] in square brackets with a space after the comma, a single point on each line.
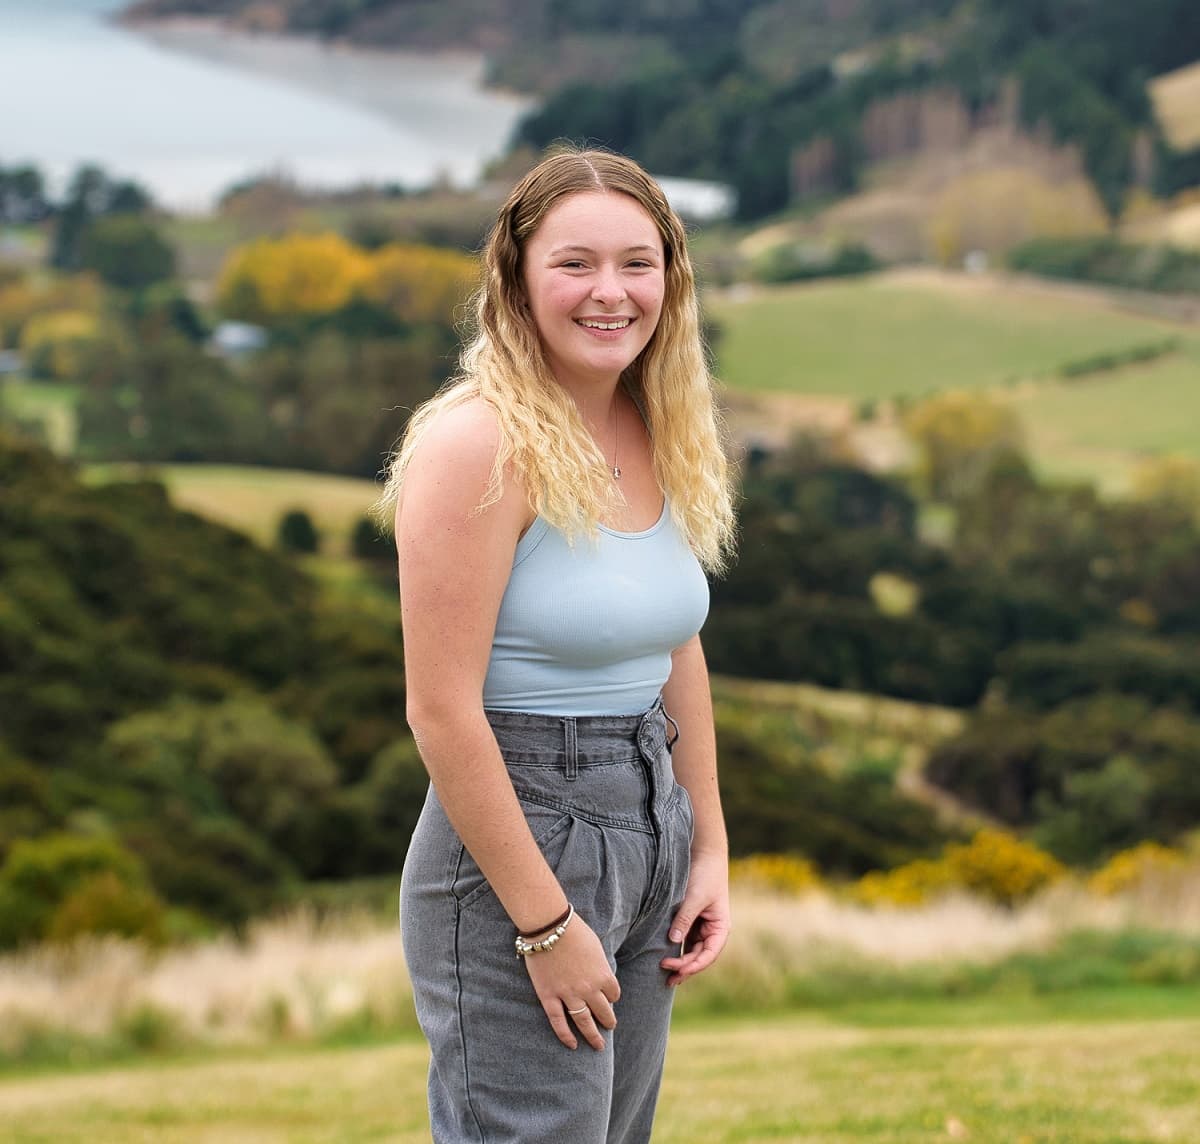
[615, 468]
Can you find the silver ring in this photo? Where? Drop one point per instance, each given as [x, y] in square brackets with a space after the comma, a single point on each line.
[574, 1011]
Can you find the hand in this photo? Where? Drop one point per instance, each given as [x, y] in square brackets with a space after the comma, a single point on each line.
[575, 974]
[703, 919]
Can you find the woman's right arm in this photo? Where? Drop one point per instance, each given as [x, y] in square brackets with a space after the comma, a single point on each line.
[454, 566]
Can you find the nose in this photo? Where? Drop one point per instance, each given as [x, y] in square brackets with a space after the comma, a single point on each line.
[607, 287]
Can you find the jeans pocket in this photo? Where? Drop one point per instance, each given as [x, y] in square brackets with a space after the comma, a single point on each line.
[546, 823]
[689, 813]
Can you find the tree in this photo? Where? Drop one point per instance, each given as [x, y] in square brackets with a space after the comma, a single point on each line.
[91, 195]
[420, 283]
[959, 434]
[23, 195]
[127, 252]
[301, 276]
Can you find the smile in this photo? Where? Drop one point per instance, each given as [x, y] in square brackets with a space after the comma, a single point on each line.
[615, 324]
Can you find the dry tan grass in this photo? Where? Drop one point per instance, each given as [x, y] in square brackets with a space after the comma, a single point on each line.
[1177, 226]
[295, 978]
[1176, 97]
[253, 500]
[291, 977]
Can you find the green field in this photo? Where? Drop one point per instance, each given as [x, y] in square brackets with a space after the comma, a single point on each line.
[914, 333]
[794, 1078]
[1093, 428]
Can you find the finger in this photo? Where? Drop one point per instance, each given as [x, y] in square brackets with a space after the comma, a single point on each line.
[586, 1024]
[612, 990]
[691, 965]
[603, 1013]
[682, 924]
[558, 1022]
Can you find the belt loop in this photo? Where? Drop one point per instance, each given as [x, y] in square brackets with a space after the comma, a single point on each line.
[675, 739]
[571, 748]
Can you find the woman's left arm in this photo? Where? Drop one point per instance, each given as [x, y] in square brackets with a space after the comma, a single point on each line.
[703, 918]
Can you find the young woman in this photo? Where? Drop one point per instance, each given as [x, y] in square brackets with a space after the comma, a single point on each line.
[556, 507]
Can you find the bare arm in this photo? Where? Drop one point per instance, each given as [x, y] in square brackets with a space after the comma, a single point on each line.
[454, 565]
[703, 919]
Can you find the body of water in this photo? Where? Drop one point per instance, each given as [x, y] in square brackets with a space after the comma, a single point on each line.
[188, 110]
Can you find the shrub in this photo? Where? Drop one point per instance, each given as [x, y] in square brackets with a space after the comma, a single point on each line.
[994, 864]
[105, 904]
[798, 262]
[1001, 866]
[297, 533]
[1109, 261]
[40, 875]
[907, 885]
[56, 343]
[782, 872]
[1128, 868]
[367, 542]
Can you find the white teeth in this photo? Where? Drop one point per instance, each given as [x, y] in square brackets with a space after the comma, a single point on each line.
[620, 325]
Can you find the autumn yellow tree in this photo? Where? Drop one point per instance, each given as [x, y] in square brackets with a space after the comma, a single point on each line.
[1171, 479]
[297, 276]
[959, 435]
[994, 210]
[418, 284]
[55, 342]
[22, 300]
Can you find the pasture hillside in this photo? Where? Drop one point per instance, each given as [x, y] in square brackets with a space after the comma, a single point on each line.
[1096, 429]
[252, 499]
[1176, 97]
[913, 332]
[810, 357]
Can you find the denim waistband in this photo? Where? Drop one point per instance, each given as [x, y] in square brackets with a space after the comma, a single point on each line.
[610, 769]
[573, 741]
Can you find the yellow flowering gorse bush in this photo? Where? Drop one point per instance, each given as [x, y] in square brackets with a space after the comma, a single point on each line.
[994, 864]
[1130, 867]
[780, 872]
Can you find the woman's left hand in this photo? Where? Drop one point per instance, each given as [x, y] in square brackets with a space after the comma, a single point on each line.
[703, 918]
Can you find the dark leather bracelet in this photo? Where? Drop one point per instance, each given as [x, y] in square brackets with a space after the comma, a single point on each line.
[553, 925]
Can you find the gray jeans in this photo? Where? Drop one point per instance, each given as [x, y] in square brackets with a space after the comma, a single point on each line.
[602, 801]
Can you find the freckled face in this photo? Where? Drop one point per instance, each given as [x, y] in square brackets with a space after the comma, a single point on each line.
[594, 276]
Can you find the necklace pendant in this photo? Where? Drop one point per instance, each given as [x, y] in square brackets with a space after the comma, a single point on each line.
[616, 472]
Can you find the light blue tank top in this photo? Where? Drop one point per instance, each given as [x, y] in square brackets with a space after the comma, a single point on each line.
[588, 629]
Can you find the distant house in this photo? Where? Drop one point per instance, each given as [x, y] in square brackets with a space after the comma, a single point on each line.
[237, 339]
[699, 200]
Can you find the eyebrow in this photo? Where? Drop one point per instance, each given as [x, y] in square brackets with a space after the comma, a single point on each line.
[588, 250]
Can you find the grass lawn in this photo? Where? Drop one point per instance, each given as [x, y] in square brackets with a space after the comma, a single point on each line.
[790, 1078]
[915, 332]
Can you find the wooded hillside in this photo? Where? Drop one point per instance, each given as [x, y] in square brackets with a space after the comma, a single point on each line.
[744, 90]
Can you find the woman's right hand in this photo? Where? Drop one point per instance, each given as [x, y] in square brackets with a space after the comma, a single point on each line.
[574, 974]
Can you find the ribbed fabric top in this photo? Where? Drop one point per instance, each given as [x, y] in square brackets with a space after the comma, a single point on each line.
[588, 629]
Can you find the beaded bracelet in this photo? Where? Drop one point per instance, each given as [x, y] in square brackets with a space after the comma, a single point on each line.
[525, 947]
[549, 925]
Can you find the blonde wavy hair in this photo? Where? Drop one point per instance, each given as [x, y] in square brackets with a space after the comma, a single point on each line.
[542, 434]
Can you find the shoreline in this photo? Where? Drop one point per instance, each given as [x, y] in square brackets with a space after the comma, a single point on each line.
[388, 82]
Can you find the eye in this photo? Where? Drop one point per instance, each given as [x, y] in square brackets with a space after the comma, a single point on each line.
[573, 264]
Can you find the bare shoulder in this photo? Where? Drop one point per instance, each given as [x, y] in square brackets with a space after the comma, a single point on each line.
[451, 466]
[464, 437]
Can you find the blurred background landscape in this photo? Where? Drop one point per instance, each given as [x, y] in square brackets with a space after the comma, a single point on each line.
[950, 263]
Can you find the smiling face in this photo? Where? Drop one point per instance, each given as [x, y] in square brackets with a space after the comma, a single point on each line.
[594, 277]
